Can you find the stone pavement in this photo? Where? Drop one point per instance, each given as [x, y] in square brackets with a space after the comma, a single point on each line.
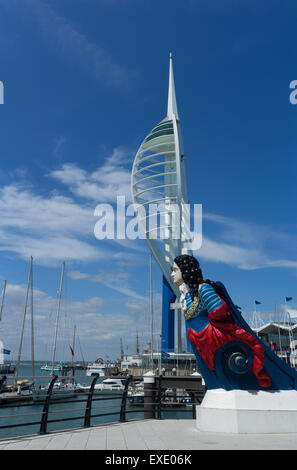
[170, 434]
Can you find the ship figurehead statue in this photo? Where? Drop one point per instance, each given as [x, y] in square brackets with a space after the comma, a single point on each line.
[229, 354]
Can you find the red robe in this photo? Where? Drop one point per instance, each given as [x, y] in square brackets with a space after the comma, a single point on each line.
[219, 332]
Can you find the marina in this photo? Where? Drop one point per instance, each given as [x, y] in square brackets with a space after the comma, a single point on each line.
[107, 405]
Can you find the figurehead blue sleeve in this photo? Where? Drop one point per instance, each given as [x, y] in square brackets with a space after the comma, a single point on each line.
[209, 297]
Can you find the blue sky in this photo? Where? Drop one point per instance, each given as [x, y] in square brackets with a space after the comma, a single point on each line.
[84, 83]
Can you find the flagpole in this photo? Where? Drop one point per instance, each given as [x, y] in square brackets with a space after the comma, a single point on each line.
[288, 323]
[291, 339]
[255, 313]
[279, 337]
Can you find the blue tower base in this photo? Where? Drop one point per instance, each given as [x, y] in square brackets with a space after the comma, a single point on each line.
[168, 319]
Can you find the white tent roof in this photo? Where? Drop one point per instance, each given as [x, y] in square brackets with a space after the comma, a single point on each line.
[274, 328]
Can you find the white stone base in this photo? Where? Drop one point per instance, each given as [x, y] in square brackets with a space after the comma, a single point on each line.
[248, 411]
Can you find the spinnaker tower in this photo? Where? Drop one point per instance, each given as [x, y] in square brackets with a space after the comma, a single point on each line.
[159, 192]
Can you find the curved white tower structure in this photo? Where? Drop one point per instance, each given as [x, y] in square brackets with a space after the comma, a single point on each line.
[159, 194]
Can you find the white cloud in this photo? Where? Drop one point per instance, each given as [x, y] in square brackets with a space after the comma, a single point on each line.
[118, 281]
[22, 208]
[49, 228]
[103, 184]
[49, 250]
[77, 275]
[229, 254]
[245, 245]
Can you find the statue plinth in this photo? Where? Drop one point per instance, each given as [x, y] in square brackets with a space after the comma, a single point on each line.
[248, 411]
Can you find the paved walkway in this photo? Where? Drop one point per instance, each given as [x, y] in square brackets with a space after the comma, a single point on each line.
[180, 434]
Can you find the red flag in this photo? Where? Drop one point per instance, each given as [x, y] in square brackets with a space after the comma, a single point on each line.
[72, 352]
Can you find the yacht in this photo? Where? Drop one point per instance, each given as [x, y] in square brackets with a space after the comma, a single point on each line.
[111, 386]
[101, 368]
[60, 391]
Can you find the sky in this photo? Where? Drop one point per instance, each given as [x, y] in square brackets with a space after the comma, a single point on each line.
[84, 82]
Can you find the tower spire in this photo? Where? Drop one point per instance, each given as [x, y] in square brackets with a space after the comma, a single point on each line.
[172, 106]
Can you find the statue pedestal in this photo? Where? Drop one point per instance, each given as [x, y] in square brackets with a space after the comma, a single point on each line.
[248, 411]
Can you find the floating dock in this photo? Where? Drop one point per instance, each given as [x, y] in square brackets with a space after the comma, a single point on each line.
[14, 397]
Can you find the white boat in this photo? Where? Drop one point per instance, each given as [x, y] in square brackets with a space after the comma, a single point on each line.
[111, 386]
[21, 390]
[101, 368]
[60, 391]
[51, 368]
[134, 360]
[5, 367]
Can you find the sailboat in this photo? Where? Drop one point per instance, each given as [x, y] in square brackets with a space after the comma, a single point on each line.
[49, 367]
[21, 389]
[61, 388]
[5, 367]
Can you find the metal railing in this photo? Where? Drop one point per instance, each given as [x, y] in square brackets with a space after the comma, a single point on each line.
[156, 401]
[169, 394]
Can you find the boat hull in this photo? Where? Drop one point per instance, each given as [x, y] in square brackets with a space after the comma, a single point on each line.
[40, 395]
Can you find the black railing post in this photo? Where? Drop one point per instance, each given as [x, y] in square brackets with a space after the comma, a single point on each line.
[2, 382]
[43, 423]
[149, 395]
[193, 398]
[124, 400]
[159, 396]
[87, 421]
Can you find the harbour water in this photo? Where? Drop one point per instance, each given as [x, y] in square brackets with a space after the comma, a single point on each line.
[74, 408]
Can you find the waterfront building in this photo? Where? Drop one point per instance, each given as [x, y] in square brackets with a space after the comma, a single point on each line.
[282, 338]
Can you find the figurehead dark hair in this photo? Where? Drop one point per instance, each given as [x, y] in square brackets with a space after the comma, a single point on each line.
[191, 273]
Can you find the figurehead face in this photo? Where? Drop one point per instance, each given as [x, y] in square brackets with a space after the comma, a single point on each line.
[177, 275]
[187, 269]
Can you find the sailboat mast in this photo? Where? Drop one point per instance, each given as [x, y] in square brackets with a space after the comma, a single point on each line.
[122, 348]
[23, 325]
[72, 352]
[57, 316]
[32, 323]
[2, 302]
